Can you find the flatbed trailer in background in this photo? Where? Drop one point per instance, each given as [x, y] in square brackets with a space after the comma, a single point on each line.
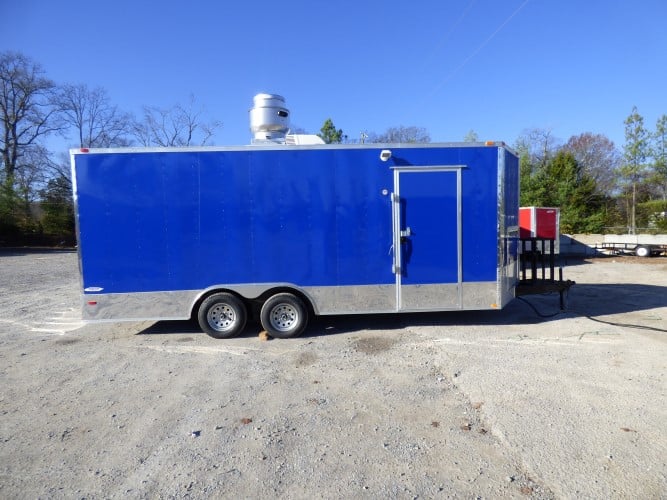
[641, 245]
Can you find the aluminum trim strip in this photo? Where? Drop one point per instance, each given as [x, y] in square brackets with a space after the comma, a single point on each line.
[274, 147]
[77, 229]
[459, 225]
[500, 224]
[428, 168]
[329, 300]
[459, 234]
[396, 221]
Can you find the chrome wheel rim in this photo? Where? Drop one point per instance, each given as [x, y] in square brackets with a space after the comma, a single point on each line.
[284, 317]
[221, 317]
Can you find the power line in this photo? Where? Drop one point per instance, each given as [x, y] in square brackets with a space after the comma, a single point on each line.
[474, 53]
[444, 38]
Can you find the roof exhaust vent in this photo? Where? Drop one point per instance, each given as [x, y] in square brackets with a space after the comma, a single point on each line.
[269, 119]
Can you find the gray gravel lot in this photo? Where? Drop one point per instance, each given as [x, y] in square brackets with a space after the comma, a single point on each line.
[448, 405]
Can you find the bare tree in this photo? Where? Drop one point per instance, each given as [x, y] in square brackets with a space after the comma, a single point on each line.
[96, 122]
[26, 109]
[34, 168]
[598, 157]
[175, 126]
[402, 134]
[539, 145]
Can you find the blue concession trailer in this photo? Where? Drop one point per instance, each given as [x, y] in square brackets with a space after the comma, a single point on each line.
[281, 232]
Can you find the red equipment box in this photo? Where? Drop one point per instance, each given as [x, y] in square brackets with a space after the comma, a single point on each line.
[539, 222]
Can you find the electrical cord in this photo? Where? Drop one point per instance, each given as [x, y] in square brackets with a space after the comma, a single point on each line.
[622, 325]
[587, 316]
[538, 312]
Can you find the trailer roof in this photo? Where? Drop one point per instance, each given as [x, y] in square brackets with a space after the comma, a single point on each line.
[289, 147]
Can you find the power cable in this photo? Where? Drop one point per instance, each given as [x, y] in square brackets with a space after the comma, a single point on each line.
[538, 312]
[474, 53]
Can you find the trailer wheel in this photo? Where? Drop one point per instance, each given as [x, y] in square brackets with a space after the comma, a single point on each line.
[642, 251]
[222, 315]
[284, 315]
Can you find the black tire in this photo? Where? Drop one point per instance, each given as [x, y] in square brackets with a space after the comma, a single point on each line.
[222, 315]
[642, 251]
[284, 316]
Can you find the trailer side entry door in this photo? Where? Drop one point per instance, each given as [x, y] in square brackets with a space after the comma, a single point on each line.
[427, 237]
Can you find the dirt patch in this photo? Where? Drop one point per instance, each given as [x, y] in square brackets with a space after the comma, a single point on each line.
[306, 359]
[69, 341]
[375, 345]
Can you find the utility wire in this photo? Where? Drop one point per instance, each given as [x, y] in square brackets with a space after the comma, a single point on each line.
[474, 53]
[444, 38]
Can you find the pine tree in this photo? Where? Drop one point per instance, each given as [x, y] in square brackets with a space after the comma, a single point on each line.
[636, 151]
[330, 134]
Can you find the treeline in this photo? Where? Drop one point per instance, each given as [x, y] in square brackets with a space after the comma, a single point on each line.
[35, 185]
[597, 187]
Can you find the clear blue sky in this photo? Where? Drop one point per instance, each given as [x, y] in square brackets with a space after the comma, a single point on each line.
[495, 66]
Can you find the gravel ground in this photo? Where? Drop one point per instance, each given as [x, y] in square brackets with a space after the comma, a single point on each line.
[453, 405]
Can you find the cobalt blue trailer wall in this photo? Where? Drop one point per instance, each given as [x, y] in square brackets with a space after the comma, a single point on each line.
[428, 229]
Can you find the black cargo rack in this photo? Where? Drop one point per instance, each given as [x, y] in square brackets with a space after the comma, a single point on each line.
[537, 261]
